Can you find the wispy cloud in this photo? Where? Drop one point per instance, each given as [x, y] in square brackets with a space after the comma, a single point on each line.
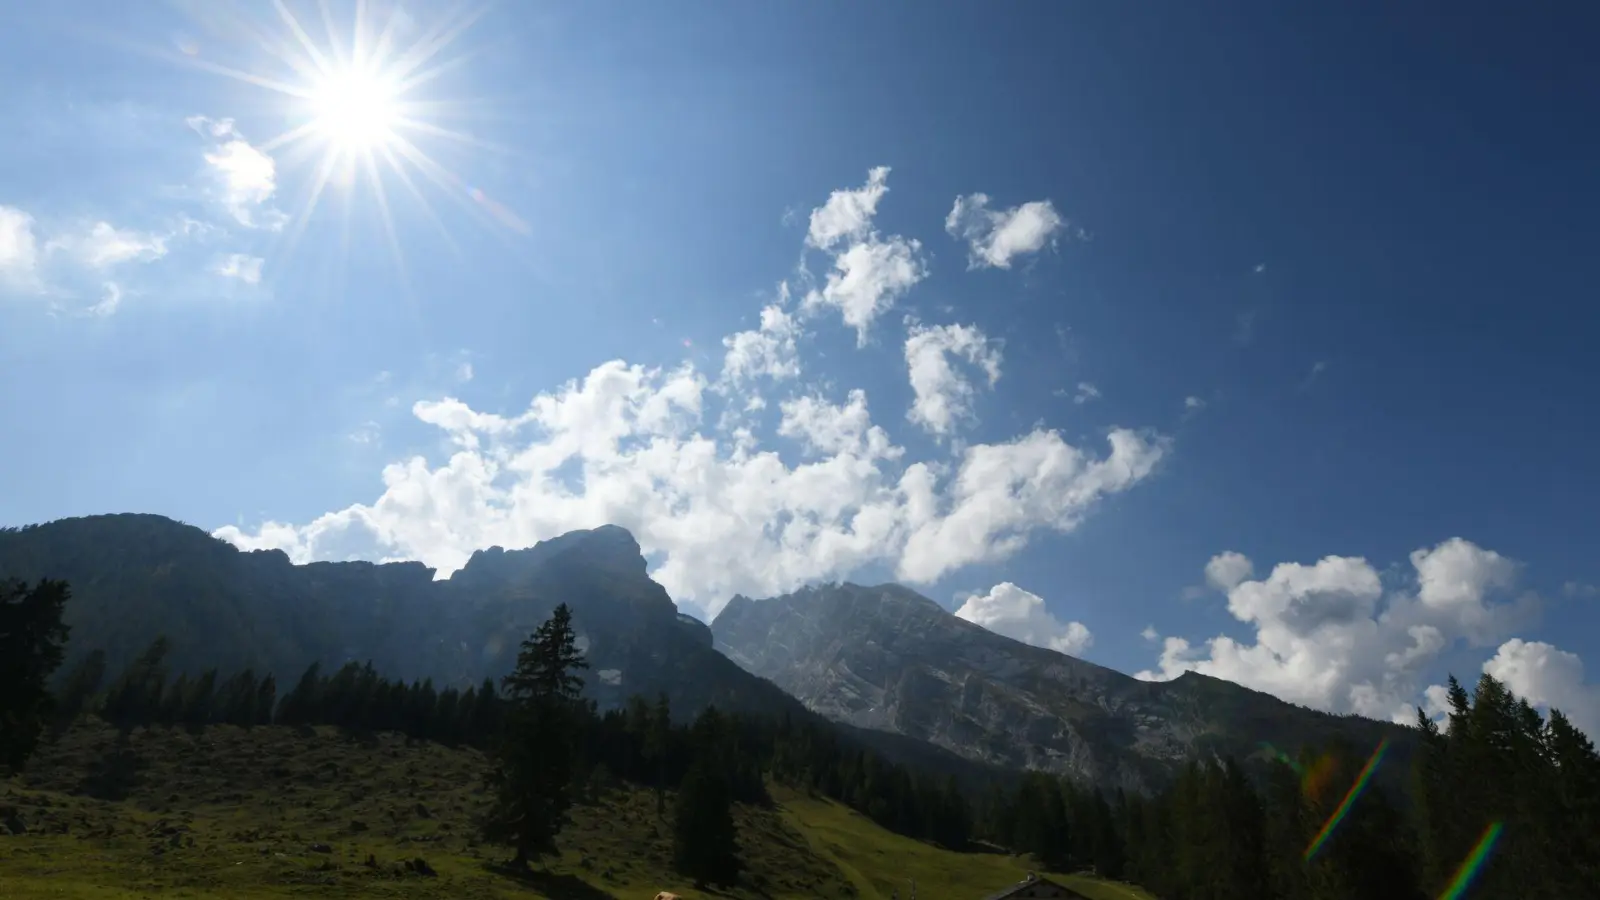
[242, 266]
[103, 245]
[110, 300]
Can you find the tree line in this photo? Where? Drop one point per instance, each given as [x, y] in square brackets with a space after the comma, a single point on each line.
[1499, 802]
[1495, 780]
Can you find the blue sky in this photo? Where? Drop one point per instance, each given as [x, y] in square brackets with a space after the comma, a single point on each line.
[1326, 273]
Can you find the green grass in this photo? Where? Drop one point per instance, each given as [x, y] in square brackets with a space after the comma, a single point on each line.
[879, 862]
[230, 813]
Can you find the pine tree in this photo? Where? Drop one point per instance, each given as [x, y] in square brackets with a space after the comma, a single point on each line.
[704, 839]
[31, 639]
[535, 757]
[79, 687]
[136, 698]
[657, 743]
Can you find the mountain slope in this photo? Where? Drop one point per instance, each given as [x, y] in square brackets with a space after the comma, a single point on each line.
[888, 658]
[135, 577]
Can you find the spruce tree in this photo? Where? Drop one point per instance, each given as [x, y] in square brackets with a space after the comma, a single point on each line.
[704, 839]
[31, 639]
[535, 757]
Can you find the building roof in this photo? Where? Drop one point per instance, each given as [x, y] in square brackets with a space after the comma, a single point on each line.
[1034, 881]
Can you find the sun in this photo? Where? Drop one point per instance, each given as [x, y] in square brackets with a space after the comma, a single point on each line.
[361, 101]
[356, 109]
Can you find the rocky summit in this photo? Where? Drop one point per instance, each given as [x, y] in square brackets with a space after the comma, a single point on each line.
[890, 659]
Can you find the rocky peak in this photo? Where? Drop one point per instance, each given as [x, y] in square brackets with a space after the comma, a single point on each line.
[885, 657]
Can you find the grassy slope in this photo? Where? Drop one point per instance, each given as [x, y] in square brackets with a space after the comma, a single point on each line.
[236, 814]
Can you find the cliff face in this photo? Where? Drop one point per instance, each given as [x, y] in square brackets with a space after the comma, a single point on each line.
[888, 658]
[135, 577]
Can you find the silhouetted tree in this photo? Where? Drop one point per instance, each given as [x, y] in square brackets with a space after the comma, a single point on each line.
[534, 761]
[31, 639]
[704, 843]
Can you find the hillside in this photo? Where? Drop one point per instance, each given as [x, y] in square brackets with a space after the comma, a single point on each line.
[273, 812]
[889, 659]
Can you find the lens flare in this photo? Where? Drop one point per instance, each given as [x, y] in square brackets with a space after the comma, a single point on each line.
[1473, 864]
[1350, 796]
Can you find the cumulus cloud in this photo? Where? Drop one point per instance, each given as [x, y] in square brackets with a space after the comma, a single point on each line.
[1150, 633]
[1549, 677]
[1228, 570]
[623, 446]
[1329, 636]
[242, 266]
[246, 177]
[19, 249]
[870, 272]
[1019, 614]
[716, 511]
[1086, 392]
[995, 237]
[767, 351]
[943, 395]
[1192, 404]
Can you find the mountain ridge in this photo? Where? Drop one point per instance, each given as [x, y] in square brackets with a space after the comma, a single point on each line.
[874, 657]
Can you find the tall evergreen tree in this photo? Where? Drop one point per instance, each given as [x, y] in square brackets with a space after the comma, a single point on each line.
[535, 757]
[31, 639]
[135, 699]
[704, 839]
[82, 682]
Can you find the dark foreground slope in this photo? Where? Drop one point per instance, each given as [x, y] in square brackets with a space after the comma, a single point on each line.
[280, 812]
[888, 658]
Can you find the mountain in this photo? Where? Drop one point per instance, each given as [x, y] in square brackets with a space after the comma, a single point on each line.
[135, 577]
[889, 659]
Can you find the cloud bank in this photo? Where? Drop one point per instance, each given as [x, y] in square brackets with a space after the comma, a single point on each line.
[718, 507]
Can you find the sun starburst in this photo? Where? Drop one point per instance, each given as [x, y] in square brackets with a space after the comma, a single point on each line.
[353, 99]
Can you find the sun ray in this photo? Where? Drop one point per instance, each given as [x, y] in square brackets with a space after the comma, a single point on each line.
[400, 172]
[355, 76]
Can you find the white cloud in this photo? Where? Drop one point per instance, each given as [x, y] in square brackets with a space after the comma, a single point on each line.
[104, 245]
[1549, 677]
[1086, 392]
[1227, 570]
[19, 249]
[1193, 404]
[110, 300]
[719, 515]
[943, 396]
[247, 176]
[464, 373]
[848, 213]
[1326, 638]
[1016, 613]
[768, 351]
[996, 237]
[242, 266]
[623, 446]
[1150, 633]
[1578, 589]
[870, 272]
